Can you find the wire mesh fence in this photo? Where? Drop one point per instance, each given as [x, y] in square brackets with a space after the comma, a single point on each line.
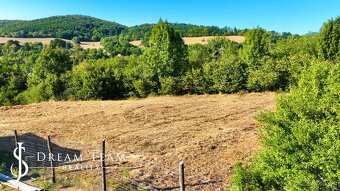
[38, 156]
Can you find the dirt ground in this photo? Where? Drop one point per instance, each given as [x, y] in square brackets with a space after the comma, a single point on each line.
[211, 133]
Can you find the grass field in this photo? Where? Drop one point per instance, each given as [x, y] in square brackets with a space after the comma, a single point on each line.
[199, 40]
[187, 40]
[48, 40]
[211, 133]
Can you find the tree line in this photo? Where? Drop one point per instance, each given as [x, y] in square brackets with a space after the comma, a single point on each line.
[33, 72]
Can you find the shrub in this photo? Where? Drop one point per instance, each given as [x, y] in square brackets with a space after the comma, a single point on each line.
[300, 140]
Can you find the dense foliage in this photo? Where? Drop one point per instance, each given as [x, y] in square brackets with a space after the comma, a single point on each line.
[61, 70]
[119, 45]
[83, 27]
[330, 40]
[164, 59]
[300, 140]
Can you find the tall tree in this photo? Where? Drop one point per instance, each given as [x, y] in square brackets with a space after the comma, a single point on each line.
[256, 46]
[165, 56]
[45, 81]
[329, 40]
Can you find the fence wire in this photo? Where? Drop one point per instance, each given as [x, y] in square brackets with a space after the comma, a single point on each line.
[37, 156]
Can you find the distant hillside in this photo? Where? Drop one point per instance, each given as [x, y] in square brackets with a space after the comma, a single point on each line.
[86, 28]
[4, 22]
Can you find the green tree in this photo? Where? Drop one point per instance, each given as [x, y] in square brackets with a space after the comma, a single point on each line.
[198, 54]
[165, 57]
[193, 81]
[329, 40]
[45, 80]
[289, 57]
[97, 79]
[256, 46]
[227, 73]
[12, 81]
[261, 73]
[10, 48]
[119, 45]
[58, 43]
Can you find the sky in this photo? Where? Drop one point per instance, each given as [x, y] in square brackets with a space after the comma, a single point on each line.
[295, 16]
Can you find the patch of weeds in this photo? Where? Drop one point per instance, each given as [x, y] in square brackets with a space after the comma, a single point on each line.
[2, 167]
[65, 183]
[47, 186]
[126, 173]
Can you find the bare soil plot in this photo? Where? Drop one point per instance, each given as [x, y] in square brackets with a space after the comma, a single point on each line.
[211, 133]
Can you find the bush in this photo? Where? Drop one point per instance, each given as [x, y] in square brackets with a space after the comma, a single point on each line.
[300, 140]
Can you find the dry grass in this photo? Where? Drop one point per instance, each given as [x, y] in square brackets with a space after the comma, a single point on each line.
[209, 132]
[205, 39]
[136, 43]
[96, 45]
[27, 40]
[87, 45]
[44, 41]
[199, 40]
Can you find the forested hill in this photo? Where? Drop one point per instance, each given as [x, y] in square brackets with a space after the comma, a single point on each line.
[85, 28]
[5, 22]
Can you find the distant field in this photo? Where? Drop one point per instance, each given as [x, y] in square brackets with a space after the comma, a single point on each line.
[48, 40]
[24, 40]
[205, 39]
[86, 45]
[199, 40]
